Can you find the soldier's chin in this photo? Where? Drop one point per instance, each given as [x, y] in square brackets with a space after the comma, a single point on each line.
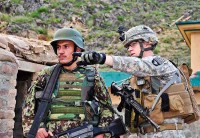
[63, 62]
[132, 55]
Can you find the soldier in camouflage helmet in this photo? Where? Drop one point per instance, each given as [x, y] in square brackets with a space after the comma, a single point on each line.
[77, 91]
[146, 68]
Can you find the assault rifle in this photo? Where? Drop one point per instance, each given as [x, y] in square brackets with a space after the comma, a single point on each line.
[128, 101]
[116, 128]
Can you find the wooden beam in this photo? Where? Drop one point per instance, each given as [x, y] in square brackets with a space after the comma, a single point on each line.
[195, 50]
[197, 97]
[29, 66]
[187, 28]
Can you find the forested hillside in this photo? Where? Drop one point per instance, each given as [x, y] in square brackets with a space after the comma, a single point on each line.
[99, 20]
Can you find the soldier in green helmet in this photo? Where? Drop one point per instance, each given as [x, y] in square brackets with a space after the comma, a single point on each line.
[150, 73]
[80, 93]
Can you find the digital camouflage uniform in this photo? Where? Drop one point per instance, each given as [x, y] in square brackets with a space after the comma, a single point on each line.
[56, 120]
[158, 68]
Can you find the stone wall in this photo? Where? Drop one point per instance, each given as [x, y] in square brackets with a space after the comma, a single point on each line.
[192, 130]
[8, 75]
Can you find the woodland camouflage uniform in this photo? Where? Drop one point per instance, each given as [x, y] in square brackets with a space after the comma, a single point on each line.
[76, 93]
[56, 123]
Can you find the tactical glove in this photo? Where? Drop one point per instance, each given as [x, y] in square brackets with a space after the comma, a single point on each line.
[91, 58]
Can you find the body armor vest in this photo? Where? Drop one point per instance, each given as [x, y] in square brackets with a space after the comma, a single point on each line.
[72, 90]
[179, 101]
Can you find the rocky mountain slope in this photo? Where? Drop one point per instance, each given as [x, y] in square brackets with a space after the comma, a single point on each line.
[98, 20]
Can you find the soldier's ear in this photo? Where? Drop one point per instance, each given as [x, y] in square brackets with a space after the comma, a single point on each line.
[78, 49]
[146, 44]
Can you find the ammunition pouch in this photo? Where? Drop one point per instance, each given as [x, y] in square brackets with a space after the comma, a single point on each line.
[187, 108]
[92, 112]
[179, 102]
[178, 94]
[156, 115]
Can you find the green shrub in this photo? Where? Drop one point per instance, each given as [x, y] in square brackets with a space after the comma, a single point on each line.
[111, 34]
[43, 9]
[21, 19]
[14, 29]
[107, 8]
[41, 30]
[97, 15]
[120, 18]
[55, 4]
[167, 40]
[53, 20]
[107, 24]
[90, 22]
[71, 1]
[16, 1]
[34, 14]
[78, 4]
[5, 17]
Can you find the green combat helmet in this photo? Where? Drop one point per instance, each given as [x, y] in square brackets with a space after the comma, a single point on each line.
[141, 32]
[68, 34]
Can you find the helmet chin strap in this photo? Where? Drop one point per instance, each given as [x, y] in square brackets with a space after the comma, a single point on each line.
[73, 60]
[143, 49]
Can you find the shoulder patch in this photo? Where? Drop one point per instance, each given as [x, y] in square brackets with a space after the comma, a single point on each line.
[158, 61]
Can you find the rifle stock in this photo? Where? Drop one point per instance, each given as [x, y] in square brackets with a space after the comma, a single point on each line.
[116, 128]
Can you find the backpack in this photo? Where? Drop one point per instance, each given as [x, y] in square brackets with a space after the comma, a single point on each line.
[185, 74]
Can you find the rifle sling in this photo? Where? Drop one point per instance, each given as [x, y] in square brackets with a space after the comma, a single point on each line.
[45, 100]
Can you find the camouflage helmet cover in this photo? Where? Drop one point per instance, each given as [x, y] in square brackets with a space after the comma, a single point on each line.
[140, 32]
[68, 34]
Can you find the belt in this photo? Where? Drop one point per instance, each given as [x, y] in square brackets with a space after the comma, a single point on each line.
[148, 129]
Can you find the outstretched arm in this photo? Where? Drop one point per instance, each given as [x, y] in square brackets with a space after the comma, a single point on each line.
[109, 60]
[132, 65]
[92, 57]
